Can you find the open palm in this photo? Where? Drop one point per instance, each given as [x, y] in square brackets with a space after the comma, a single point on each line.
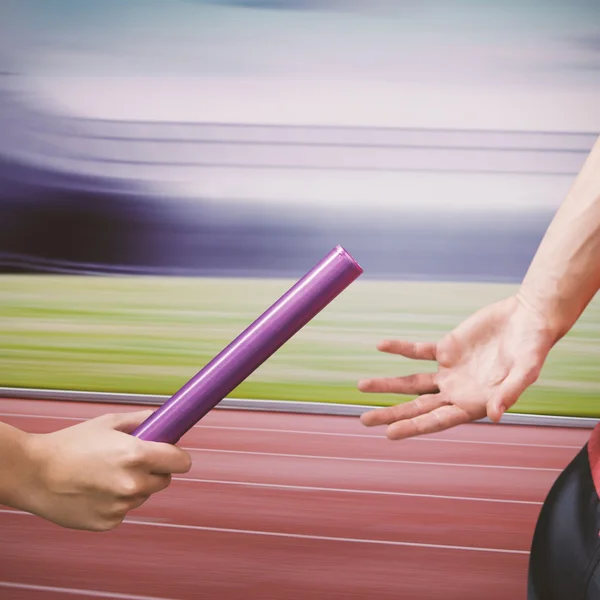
[484, 365]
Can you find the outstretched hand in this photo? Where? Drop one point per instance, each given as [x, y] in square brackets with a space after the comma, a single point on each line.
[484, 366]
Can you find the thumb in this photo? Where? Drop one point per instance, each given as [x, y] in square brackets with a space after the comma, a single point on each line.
[128, 421]
[507, 393]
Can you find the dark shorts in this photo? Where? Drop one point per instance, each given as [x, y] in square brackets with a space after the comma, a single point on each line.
[565, 553]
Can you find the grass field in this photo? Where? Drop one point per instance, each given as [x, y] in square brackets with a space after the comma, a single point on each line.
[150, 335]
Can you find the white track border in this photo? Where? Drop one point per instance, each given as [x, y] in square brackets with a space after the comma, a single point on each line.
[312, 408]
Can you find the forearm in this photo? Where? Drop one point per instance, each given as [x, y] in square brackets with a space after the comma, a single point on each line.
[16, 467]
[565, 272]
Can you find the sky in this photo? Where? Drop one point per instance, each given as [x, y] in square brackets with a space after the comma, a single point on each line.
[528, 65]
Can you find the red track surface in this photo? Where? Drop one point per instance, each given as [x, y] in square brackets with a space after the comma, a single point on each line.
[303, 507]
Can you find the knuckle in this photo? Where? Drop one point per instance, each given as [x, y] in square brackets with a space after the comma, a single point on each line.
[438, 421]
[420, 349]
[412, 382]
[107, 523]
[127, 486]
[109, 516]
[135, 455]
[420, 426]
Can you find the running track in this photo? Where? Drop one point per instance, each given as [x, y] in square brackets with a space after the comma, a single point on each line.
[284, 506]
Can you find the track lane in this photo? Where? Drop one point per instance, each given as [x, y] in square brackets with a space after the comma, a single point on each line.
[212, 539]
[186, 565]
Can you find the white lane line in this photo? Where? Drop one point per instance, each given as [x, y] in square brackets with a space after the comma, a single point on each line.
[302, 536]
[372, 460]
[326, 433]
[353, 491]
[55, 417]
[75, 591]
[378, 437]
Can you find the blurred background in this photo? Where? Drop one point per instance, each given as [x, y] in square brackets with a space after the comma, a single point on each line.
[168, 169]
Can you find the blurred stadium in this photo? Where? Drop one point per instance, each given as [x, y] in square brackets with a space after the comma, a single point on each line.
[157, 193]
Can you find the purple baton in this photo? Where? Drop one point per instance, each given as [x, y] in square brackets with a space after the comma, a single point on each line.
[311, 294]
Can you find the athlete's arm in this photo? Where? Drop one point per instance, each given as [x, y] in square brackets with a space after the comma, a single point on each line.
[486, 363]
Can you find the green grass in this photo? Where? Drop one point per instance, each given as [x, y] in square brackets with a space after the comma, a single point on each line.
[150, 335]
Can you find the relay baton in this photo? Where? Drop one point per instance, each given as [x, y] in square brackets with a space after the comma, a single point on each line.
[303, 301]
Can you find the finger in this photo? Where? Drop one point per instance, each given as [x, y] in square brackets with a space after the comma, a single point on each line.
[136, 484]
[420, 383]
[148, 485]
[155, 483]
[161, 458]
[509, 391]
[415, 350]
[137, 502]
[439, 419]
[126, 422]
[120, 508]
[408, 410]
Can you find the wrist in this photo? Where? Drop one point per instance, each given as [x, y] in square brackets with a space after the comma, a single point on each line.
[551, 312]
[34, 480]
[19, 469]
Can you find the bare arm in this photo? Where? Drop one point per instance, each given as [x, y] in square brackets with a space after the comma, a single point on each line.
[486, 363]
[565, 272]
